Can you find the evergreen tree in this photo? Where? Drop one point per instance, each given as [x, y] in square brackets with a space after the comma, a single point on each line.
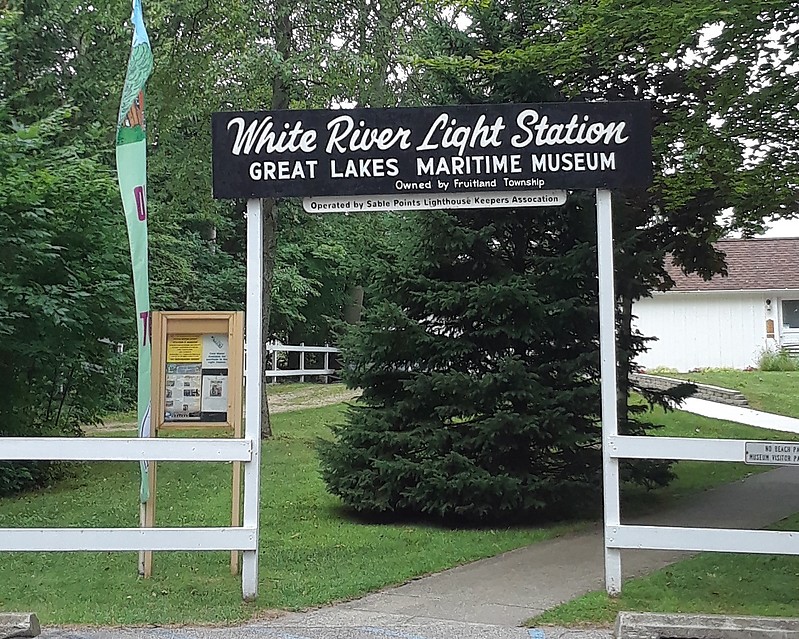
[479, 369]
[479, 363]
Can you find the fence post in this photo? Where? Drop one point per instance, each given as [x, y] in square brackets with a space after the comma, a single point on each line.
[327, 364]
[302, 363]
[274, 361]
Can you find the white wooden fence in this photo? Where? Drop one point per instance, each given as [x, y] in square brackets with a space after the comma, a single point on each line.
[684, 538]
[274, 370]
[153, 449]
[123, 539]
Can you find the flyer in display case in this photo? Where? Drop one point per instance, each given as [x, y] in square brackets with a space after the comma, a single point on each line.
[196, 378]
[197, 384]
[199, 357]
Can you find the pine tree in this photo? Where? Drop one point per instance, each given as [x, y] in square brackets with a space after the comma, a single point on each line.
[480, 371]
[479, 360]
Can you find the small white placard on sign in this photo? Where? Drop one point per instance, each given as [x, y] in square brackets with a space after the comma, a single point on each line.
[772, 453]
[432, 201]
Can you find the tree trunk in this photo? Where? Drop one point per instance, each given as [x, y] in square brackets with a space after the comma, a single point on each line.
[280, 100]
[269, 245]
[354, 305]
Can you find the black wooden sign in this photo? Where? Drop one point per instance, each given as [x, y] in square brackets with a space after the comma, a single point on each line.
[447, 149]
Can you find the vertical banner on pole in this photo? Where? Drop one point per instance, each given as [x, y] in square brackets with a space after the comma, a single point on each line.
[607, 353]
[131, 156]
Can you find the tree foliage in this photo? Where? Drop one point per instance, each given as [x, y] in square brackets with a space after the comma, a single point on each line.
[721, 80]
[440, 398]
[63, 286]
[209, 56]
[720, 74]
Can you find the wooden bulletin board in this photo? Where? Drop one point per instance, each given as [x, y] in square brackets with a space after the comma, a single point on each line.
[197, 370]
[197, 381]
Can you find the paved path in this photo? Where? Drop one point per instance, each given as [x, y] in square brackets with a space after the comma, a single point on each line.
[741, 415]
[488, 599]
[517, 585]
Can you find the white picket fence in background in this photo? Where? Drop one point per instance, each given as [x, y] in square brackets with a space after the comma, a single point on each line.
[302, 372]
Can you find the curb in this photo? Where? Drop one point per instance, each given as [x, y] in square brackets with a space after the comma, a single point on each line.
[645, 625]
[13, 625]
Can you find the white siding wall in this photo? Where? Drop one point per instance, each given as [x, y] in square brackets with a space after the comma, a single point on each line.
[704, 330]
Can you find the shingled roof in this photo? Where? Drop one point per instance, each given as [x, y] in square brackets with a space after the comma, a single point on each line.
[760, 264]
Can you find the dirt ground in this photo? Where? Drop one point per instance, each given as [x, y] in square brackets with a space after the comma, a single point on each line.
[282, 399]
[310, 397]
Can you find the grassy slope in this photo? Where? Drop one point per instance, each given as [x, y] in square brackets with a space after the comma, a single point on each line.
[774, 392]
[307, 391]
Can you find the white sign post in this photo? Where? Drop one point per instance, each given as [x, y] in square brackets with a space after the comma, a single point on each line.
[253, 389]
[444, 157]
[607, 354]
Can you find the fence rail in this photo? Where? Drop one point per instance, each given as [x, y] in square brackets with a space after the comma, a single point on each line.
[126, 539]
[620, 536]
[275, 372]
[124, 449]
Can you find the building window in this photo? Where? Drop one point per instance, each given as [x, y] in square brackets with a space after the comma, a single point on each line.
[790, 314]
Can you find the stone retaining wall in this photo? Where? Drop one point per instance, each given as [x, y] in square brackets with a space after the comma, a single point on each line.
[704, 391]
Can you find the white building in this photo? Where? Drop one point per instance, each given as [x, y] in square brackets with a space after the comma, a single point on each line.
[726, 322]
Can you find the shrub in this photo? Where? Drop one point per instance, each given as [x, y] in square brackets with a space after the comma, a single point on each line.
[780, 360]
[64, 276]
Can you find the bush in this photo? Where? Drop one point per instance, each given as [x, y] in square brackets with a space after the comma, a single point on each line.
[17, 477]
[780, 360]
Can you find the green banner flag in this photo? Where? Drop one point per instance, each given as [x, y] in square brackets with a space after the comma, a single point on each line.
[131, 151]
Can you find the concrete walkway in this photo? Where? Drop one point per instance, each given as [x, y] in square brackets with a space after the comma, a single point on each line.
[741, 415]
[488, 599]
[508, 589]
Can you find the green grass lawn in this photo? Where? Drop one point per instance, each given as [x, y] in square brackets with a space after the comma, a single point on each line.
[771, 391]
[311, 552]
